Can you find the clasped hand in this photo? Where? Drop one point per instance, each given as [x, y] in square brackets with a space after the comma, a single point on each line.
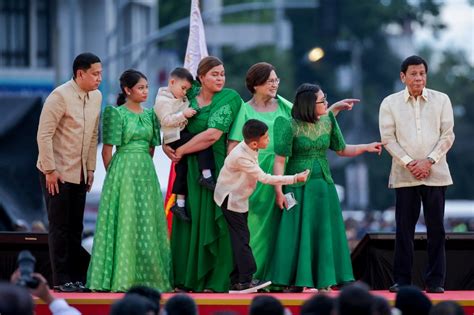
[420, 169]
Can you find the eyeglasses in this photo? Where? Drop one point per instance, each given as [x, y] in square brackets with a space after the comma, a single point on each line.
[273, 81]
[324, 101]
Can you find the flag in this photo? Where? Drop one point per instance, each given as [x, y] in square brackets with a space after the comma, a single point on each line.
[195, 51]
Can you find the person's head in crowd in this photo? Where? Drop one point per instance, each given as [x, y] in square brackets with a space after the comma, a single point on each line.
[262, 79]
[87, 71]
[266, 305]
[180, 82]
[151, 294]
[255, 134]
[15, 300]
[134, 86]
[412, 301]
[319, 304]
[413, 73]
[309, 103]
[354, 299]
[181, 304]
[211, 74]
[447, 308]
[133, 304]
[381, 306]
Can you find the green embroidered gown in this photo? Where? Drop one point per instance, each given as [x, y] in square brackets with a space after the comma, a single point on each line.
[131, 245]
[202, 256]
[311, 248]
[264, 216]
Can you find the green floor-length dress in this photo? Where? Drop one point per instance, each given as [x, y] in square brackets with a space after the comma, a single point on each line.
[311, 248]
[131, 245]
[264, 216]
[202, 256]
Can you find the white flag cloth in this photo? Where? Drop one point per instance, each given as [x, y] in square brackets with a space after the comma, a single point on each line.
[196, 49]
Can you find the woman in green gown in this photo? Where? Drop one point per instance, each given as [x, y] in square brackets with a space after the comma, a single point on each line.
[311, 248]
[131, 245]
[265, 105]
[202, 256]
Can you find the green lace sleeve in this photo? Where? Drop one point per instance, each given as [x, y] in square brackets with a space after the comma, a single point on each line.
[283, 134]
[337, 139]
[156, 140]
[111, 126]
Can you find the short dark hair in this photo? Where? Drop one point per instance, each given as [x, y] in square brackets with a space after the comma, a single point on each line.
[254, 129]
[447, 308]
[182, 73]
[15, 300]
[266, 305]
[410, 300]
[129, 79]
[151, 294]
[83, 62]
[132, 304]
[381, 306]
[354, 300]
[181, 304]
[257, 75]
[319, 304]
[413, 61]
[305, 102]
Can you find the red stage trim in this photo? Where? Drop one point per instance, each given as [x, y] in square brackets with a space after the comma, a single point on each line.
[99, 303]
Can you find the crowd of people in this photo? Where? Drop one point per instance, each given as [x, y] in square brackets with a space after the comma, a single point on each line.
[256, 203]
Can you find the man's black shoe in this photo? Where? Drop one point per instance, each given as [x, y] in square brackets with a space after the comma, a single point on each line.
[434, 290]
[394, 288]
[81, 287]
[66, 287]
[249, 287]
[208, 183]
[180, 212]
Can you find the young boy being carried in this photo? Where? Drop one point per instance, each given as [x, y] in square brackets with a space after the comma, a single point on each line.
[173, 111]
[236, 182]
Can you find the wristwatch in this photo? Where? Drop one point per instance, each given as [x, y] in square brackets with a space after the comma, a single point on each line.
[431, 160]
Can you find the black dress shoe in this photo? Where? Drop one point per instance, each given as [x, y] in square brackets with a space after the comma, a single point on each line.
[208, 183]
[180, 212]
[81, 288]
[394, 288]
[434, 289]
[66, 287]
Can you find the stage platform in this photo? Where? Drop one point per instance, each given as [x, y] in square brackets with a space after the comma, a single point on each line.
[209, 303]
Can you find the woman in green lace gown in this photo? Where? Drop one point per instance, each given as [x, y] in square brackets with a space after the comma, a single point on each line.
[265, 105]
[131, 246]
[202, 256]
[311, 249]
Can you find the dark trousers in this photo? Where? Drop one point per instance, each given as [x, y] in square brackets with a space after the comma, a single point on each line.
[244, 262]
[205, 161]
[408, 202]
[65, 215]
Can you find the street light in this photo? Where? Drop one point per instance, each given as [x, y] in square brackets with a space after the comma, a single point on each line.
[315, 54]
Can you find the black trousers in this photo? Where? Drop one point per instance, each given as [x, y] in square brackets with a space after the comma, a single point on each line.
[408, 202]
[244, 262]
[65, 215]
[205, 161]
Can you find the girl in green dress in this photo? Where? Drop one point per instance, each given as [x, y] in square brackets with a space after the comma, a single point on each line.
[311, 248]
[265, 105]
[202, 256]
[131, 245]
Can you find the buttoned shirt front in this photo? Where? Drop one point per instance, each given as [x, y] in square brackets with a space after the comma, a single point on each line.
[414, 129]
[68, 132]
[239, 176]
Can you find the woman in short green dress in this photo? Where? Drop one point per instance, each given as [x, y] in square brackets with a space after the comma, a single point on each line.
[202, 256]
[311, 248]
[265, 105]
[131, 245]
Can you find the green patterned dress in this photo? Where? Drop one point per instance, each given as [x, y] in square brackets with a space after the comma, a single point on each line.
[131, 245]
[202, 256]
[311, 248]
[264, 216]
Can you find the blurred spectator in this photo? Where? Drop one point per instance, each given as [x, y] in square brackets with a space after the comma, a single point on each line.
[181, 304]
[355, 299]
[411, 301]
[447, 308]
[266, 305]
[15, 300]
[154, 296]
[381, 306]
[132, 304]
[319, 304]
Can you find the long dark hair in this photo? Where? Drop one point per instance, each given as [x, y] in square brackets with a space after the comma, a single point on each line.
[129, 79]
[304, 103]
